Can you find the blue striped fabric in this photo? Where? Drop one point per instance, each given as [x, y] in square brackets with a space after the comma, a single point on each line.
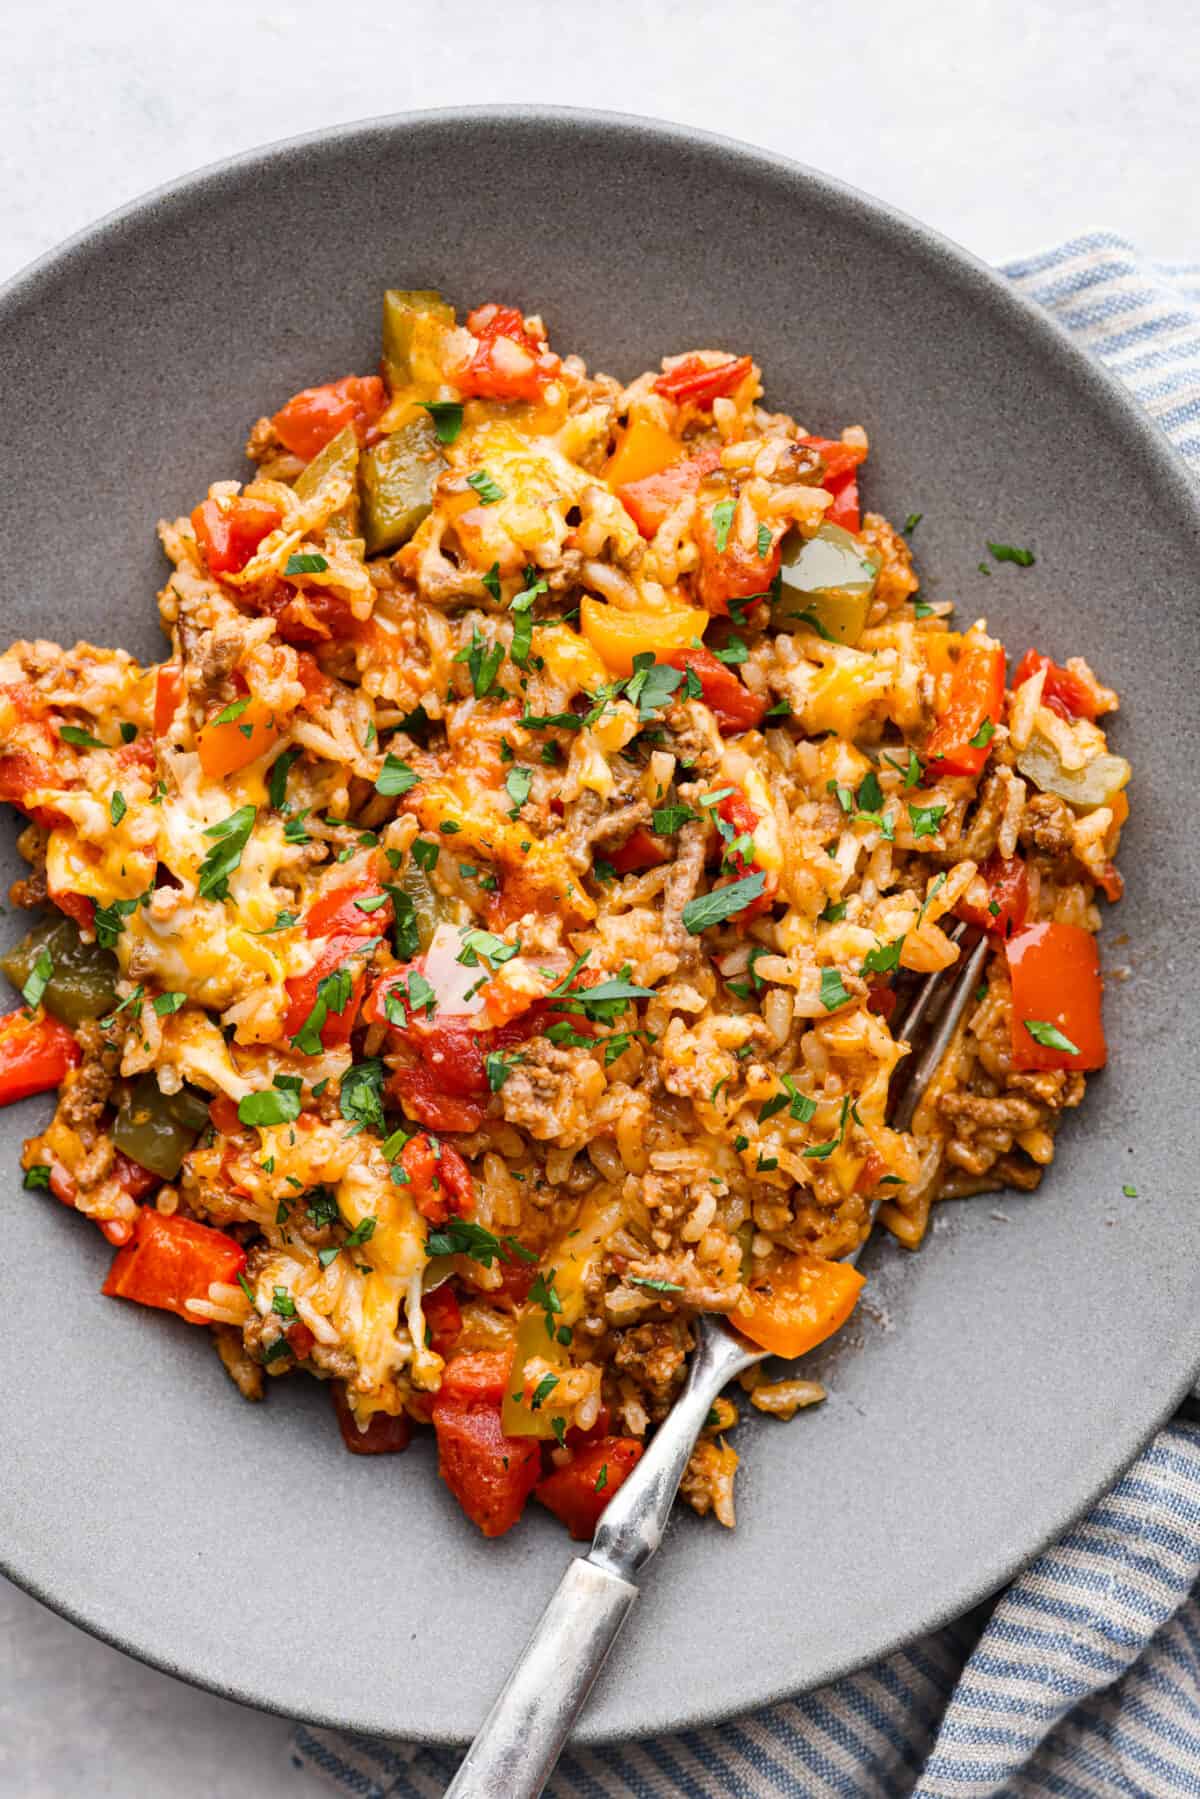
[1082, 1681]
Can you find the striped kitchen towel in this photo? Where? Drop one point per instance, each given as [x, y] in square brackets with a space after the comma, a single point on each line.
[1083, 1679]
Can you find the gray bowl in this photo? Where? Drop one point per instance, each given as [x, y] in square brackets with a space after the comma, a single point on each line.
[995, 1383]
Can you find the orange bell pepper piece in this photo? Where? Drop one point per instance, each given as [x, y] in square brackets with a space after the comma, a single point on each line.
[976, 699]
[795, 1304]
[644, 449]
[225, 745]
[617, 637]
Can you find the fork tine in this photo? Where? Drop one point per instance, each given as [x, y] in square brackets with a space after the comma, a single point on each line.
[951, 988]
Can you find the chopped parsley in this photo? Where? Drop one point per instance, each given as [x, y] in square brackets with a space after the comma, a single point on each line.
[425, 854]
[651, 685]
[363, 1231]
[232, 712]
[666, 820]
[654, 1286]
[1049, 1036]
[764, 542]
[483, 661]
[37, 1176]
[1129, 1190]
[485, 487]
[542, 1392]
[713, 908]
[82, 740]
[361, 1097]
[447, 416]
[883, 958]
[910, 524]
[463, 1237]
[833, 911]
[305, 563]
[395, 777]
[39, 978]
[834, 992]
[517, 783]
[277, 783]
[282, 1303]
[498, 1067]
[232, 835]
[1007, 552]
[116, 806]
[983, 735]
[722, 520]
[109, 922]
[166, 1003]
[925, 820]
[277, 1105]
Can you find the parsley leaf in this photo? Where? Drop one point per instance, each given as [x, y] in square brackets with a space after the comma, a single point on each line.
[37, 1176]
[483, 661]
[713, 908]
[669, 819]
[425, 854]
[910, 524]
[447, 416]
[883, 958]
[277, 783]
[116, 806]
[651, 685]
[1049, 1036]
[39, 978]
[764, 542]
[722, 519]
[517, 783]
[278, 1105]
[654, 1286]
[925, 820]
[361, 1099]
[834, 992]
[1007, 552]
[82, 740]
[983, 735]
[463, 1237]
[485, 487]
[310, 564]
[232, 834]
[166, 1003]
[498, 1067]
[395, 777]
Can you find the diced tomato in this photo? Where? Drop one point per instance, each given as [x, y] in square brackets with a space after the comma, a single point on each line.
[579, 1492]
[443, 1319]
[694, 381]
[21, 774]
[338, 914]
[35, 1053]
[300, 1340]
[420, 1093]
[649, 500]
[508, 363]
[728, 576]
[976, 699]
[302, 992]
[314, 416]
[440, 1181]
[171, 1260]
[1007, 904]
[131, 1177]
[490, 1475]
[384, 1435]
[313, 679]
[638, 852]
[230, 531]
[1056, 987]
[168, 691]
[310, 615]
[735, 707]
[794, 1304]
[224, 1115]
[1063, 691]
[518, 894]
[77, 906]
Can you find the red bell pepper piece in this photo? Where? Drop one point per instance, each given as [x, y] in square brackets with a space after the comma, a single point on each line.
[230, 532]
[443, 1319]
[384, 1435]
[490, 1475]
[508, 363]
[171, 1260]
[440, 1181]
[736, 811]
[976, 699]
[578, 1492]
[312, 616]
[1008, 896]
[840, 478]
[168, 691]
[77, 906]
[337, 918]
[314, 416]
[649, 500]
[638, 852]
[36, 1052]
[1056, 992]
[700, 383]
[736, 708]
[338, 914]
[1062, 691]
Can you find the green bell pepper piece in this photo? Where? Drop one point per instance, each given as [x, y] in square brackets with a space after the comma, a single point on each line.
[84, 979]
[414, 321]
[338, 458]
[429, 908]
[827, 583]
[396, 480]
[1097, 784]
[157, 1129]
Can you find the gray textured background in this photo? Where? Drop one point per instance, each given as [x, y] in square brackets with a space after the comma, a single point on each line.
[1006, 123]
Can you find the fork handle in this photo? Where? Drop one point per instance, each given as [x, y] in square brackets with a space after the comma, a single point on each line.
[522, 1736]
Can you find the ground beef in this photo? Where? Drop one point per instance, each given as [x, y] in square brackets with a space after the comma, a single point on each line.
[1049, 825]
[547, 1094]
[682, 882]
[590, 824]
[655, 1355]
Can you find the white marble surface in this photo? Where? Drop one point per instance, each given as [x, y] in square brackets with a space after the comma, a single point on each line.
[1008, 124]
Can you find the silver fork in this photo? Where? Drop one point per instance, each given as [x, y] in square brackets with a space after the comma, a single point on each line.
[522, 1736]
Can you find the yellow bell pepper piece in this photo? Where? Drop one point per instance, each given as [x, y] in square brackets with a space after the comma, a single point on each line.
[620, 636]
[645, 449]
